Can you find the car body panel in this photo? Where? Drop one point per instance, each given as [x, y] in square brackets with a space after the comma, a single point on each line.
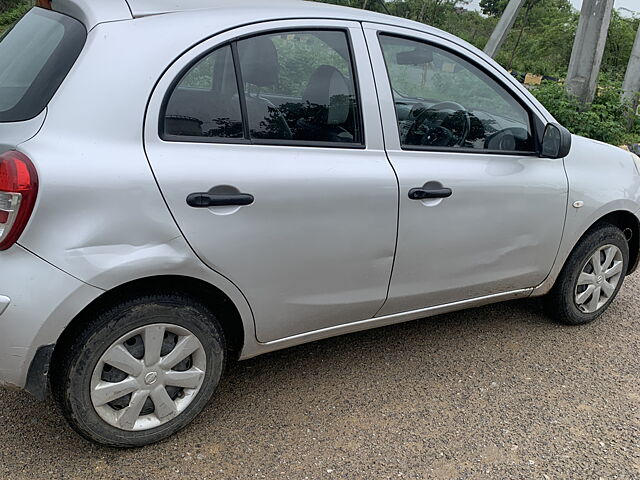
[381, 321]
[92, 13]
[14, 133]
[42, 301]
[605, 179]
[499, 231]
[316, 248]
[143, 8]
[484, 244]
[101, 218]
[87, 228]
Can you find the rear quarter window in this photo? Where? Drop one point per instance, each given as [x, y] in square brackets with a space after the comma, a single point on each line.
[36, 55]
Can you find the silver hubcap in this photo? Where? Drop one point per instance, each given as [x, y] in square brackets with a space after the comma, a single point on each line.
[599, 279]
[148, 377]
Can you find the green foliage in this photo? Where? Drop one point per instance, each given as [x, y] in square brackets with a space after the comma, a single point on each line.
[9, 4]
[620, 38]
[541, 39]
[445, 78]
[493, 8]
[11, 11]
[603, 120]
[201, 74]
[300, 55]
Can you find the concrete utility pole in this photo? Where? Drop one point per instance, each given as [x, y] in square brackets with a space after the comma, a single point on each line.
[631, 85]
[505, 24]
[588, 48]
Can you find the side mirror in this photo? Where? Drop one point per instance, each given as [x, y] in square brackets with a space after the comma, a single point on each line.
[556, 142]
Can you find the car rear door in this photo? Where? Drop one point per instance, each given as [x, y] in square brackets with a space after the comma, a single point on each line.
[481, 214]
[284, 189]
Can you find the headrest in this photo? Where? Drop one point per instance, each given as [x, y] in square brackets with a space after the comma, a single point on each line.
[259, 61]
[328, 88]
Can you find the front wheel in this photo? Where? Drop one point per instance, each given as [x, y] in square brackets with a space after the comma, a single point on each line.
[591, 277]
[140, 371]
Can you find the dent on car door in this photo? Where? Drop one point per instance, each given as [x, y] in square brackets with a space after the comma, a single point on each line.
[273, 166]
[480, 212]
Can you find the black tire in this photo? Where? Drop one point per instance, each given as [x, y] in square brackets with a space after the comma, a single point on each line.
[73, 367]
[561, 301]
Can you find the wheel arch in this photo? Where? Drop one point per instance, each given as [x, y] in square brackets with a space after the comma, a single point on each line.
[629, 224]
[228, 313]
[619, 217]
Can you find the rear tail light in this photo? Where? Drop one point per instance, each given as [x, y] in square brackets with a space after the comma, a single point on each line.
[18, 191]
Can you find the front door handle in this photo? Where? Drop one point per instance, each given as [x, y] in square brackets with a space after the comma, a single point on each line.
[206, 200]
[428, 193]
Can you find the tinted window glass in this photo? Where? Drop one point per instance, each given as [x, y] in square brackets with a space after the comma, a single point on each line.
[35, 57]
[205, 101]
[444, 101]
[299, 86]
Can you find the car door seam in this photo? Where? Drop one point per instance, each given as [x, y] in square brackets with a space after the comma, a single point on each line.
[384, 145]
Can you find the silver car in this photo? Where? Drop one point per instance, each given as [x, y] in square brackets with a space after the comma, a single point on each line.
[186, 183]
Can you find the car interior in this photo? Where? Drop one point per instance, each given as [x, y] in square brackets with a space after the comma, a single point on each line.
[461, 107]
[325, 110]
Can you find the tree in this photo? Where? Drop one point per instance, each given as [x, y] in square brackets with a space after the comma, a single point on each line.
[540, 41]
[493, 8]
[620, 38]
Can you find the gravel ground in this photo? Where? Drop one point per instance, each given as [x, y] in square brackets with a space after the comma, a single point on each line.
[497, 392]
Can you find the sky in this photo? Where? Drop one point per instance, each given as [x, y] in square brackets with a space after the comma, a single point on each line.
[633, 5]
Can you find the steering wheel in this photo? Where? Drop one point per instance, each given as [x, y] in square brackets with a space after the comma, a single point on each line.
[437, 135]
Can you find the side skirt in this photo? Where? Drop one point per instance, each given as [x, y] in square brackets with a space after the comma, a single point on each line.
[260, 348]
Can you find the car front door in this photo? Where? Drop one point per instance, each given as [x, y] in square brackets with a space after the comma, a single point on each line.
[481, 213]
[270, 156]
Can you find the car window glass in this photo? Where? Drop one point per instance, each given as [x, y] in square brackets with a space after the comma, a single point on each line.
[444, 101]
[299, 87]
[35, 56]
[201, 75]
[205, 101]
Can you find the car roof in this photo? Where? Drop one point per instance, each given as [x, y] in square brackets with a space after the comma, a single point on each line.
[140, 8]
[92, 12]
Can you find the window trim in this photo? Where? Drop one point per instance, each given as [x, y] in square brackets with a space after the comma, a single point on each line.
[247, 140]
[235, 58]
[509, 153]
[426, 148]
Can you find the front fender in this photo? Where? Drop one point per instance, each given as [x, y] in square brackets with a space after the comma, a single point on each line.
[602, 179]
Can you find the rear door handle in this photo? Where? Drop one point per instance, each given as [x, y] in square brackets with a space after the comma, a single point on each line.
[206, 200]
[427, 193]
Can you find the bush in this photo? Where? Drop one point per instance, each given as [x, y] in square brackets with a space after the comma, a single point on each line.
[603, 120]
[8, 4]
[10, 16]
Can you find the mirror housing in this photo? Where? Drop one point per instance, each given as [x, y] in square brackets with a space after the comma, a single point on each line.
[556, 142]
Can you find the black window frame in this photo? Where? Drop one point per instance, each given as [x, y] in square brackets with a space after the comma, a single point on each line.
[53, 72]
[535, 124]
[247, 140]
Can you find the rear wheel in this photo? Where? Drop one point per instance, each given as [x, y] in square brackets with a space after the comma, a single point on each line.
[140, 371]
[592, 276]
